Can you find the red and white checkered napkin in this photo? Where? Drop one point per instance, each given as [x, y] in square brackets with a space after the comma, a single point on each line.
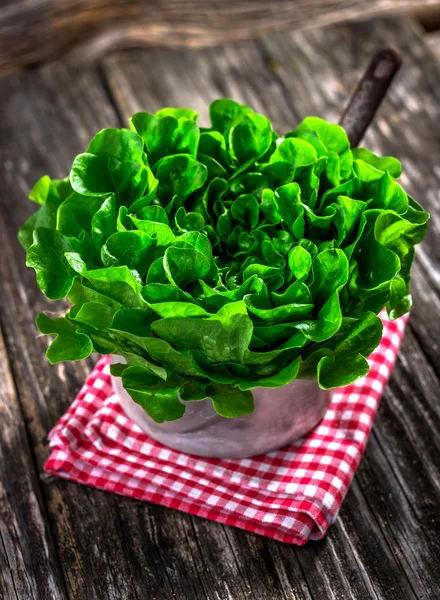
[292, 495]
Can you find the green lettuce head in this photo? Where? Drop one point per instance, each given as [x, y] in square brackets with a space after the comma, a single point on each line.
[220, 260]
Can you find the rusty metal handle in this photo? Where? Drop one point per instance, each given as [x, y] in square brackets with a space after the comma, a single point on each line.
[369, 93]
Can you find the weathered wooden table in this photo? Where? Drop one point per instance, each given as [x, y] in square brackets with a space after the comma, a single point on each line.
[62, 540]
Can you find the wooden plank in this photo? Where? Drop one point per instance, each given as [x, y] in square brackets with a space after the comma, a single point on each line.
[29, 567]
[202, 559]
[46, 119]
[33, 33]
[385, 543]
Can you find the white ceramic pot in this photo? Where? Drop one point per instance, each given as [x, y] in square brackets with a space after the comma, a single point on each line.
[281, 416]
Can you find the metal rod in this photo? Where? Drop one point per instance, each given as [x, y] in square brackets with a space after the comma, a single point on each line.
[369, 93]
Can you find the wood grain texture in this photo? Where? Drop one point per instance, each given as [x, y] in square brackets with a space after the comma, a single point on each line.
[385, 542]
[29, 566]
[38, 31]
[48, 117]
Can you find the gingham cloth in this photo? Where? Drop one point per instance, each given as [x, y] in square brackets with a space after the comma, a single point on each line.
[292, 495]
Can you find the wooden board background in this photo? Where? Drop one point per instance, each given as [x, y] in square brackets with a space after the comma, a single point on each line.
[61, 540]
[33, 32]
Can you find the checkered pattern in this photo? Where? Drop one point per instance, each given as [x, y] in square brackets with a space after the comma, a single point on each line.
[292, 495]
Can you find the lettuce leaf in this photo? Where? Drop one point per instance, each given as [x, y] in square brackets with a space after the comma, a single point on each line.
[222, 259]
